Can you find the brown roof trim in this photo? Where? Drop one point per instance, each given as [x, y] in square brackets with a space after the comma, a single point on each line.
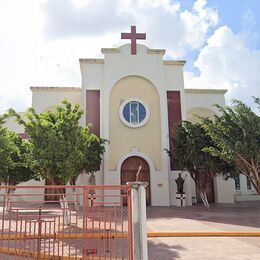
[174, 62]
[92, 61]
[205, 91]
[46, 88]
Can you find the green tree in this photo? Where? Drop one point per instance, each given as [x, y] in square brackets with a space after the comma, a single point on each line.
[14, 153]
[189, 141]
[236, 131]
[60, 147]
[93, 149]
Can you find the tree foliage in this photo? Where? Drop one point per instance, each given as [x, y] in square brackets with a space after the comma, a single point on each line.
[14, 153]
[61, 148]
[236, 131]
[92, 149]
[189, 142]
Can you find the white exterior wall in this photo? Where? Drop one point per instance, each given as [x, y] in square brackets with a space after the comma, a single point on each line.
[245, 194]
[224, 190]
[92, 74]
[196, 98]
[200, 99]
[14, 126]
[45, 98]
[103, 74]
[118, 64]
[164, 75]
[188, 187]
[173, 76]
[149, 64]
[21, 192]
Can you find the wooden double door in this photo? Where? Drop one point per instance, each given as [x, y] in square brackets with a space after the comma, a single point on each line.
[129, 170]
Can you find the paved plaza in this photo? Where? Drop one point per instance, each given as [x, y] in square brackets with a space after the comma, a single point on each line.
[242, 216]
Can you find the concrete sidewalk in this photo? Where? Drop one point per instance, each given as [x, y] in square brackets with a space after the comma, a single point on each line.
[238, 217]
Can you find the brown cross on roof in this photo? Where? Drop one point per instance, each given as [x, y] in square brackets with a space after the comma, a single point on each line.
[133, 36]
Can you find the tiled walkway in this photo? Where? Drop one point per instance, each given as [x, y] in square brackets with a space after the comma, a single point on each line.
[239, 217]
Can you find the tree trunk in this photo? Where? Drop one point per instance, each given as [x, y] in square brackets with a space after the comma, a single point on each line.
[257, 190]
[257, 187]
[66, 213]
[204, 198]
[255, 180]
[62, 200]
[200, 184]
[92, 181]
[8, 197]
[75, 196]
[8, 200]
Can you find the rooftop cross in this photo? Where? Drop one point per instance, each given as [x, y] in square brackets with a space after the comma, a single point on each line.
[133, 36]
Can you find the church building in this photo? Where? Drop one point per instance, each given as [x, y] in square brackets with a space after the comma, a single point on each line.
[132, 97]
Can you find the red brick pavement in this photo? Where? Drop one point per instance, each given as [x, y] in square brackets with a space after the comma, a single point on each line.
[237, 217]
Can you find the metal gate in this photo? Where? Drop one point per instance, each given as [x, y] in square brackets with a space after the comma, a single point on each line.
[88, 222]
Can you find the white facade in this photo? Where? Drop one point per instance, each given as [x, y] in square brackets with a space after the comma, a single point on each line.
[146, 77]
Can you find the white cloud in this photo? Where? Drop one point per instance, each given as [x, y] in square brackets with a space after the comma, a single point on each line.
[18, 49]
[41, 41]
[70, 18]
[59, 61]
[226, 62]
[198, 23]
[166, 25]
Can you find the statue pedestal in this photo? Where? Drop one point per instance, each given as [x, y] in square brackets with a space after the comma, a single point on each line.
[180, 200]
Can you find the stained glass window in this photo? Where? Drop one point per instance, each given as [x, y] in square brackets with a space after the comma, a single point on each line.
[134, 112]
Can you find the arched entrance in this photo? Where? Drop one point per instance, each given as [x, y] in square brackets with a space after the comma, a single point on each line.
[129, 170]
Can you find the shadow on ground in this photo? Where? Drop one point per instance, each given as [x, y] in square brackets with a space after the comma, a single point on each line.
[158, 250]
[239, 213]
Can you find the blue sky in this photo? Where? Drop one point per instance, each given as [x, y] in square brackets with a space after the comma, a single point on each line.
[231, 12]
[240, 15]
[42, 40]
